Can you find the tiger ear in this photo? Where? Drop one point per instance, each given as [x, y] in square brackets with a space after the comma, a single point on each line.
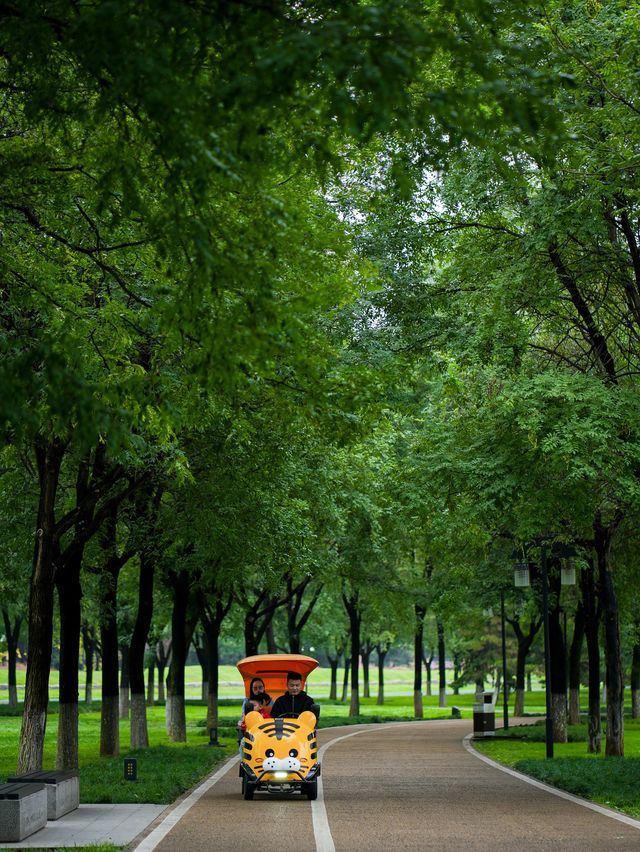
[308, 719]
[252, 719]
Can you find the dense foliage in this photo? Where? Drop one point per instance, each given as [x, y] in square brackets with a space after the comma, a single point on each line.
[310, 314]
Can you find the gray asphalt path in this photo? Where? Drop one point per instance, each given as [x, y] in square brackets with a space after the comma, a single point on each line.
[411, 786]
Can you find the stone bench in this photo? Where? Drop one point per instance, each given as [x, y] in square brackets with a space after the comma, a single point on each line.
[63, 789]
[23, 810]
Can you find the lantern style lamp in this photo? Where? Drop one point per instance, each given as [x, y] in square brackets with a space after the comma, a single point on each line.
[521, 577]
[568, 572]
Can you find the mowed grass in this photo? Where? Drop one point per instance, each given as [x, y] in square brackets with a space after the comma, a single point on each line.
[166, 769]
[610, 781]
[398, 679]
[102, 779]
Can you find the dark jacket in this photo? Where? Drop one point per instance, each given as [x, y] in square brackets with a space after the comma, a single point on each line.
[287, 704]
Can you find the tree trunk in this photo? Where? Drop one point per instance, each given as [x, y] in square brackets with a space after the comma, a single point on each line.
[139, 729]
[345, 679]
[88, 643]
[558, 673]
[175, 716]
[297, 617]
[12, 634]
[294, 642]
[442, 666]
[635, 675]
[575, 661]
[151, 687]
[110, 712]
[213, 685]
[382, 651]
[559, 716]
[428, 663]
[67, 749]
[162, 686]
[123, 702]
[251, 647]
[614, 681]
[213, 722]
[272, 647]
[351, 603]
[518, 706]
[212, 619]
[333, 690]
[34, 716]
[418, 640]
[257, 620]
[69, 598]
[456, 673]
[163, 656]
[525, 641]
[200, 644]
[365, 653]
[68, 566]
[592, 630]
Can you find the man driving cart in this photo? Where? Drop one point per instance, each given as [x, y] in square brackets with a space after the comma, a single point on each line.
[295, 700]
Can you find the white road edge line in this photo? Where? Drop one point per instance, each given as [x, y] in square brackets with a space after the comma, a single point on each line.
[634, 823]
[321, 830]
[160, 832]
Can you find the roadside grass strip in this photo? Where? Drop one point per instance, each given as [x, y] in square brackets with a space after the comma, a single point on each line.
[607, 782]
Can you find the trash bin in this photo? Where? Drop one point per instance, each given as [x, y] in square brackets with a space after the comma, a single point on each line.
[484, 715]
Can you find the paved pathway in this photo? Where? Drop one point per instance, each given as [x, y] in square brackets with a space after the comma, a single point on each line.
[411, 786]
[92, 824]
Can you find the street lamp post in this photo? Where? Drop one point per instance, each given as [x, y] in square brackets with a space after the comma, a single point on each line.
[521, 578]
[505, 690]
[547, 649]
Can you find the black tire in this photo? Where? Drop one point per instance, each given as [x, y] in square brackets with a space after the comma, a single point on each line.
[244, 781]
[248, 790]
[312, 790]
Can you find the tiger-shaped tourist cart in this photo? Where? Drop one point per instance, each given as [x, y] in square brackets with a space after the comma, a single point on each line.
[279, 755]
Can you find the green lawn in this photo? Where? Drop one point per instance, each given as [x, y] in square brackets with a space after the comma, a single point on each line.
[102, 780]
[609, 781]
[397, 680]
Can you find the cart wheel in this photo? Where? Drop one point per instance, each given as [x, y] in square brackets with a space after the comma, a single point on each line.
[312, 790]
[244, 781]
[248, 790]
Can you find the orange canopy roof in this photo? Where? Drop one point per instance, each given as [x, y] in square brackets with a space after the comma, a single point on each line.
[273, 668]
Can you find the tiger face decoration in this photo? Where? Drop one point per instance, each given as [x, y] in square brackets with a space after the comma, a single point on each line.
[280, 750]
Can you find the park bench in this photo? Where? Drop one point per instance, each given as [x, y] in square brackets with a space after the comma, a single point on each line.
[63, 789]
[23, 810]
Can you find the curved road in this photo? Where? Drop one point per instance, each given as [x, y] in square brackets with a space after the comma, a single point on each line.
[388, 787]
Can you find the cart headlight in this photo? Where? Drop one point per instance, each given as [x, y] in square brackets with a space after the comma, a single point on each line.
[279, 774]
